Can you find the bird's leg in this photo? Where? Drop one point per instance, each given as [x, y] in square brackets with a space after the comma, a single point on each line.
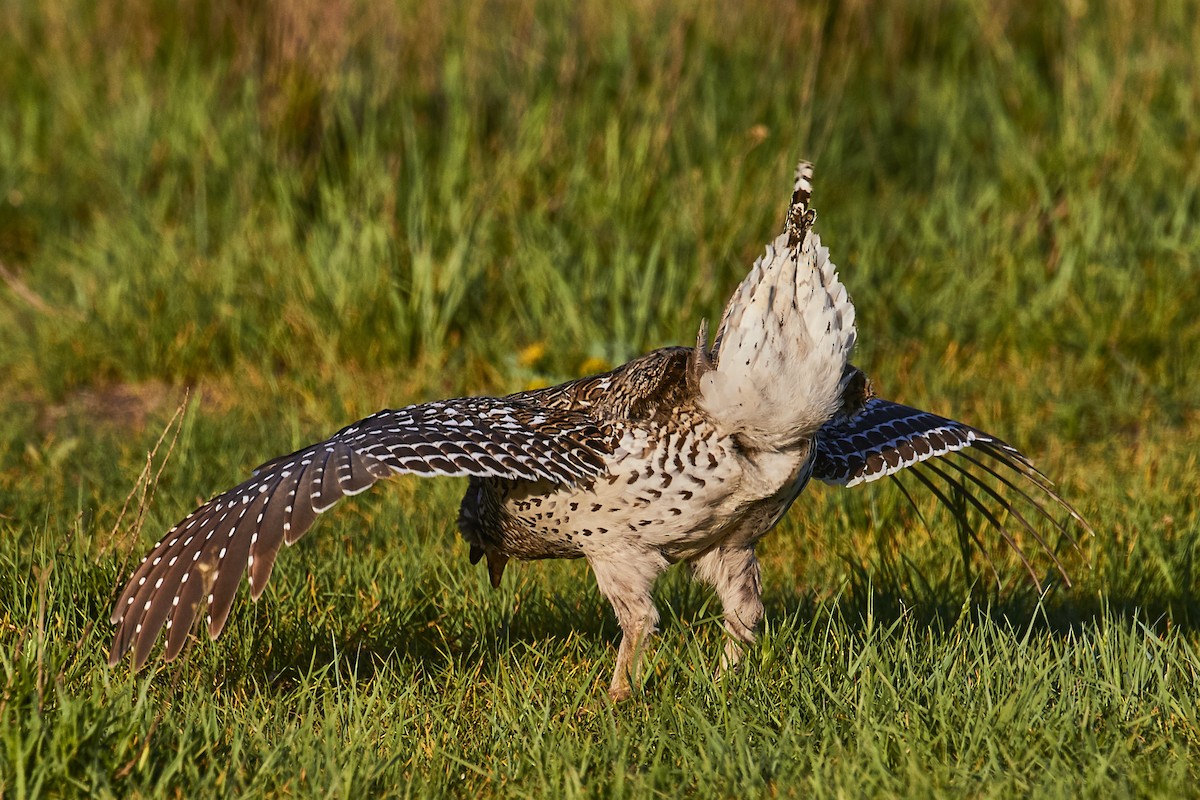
[734, 574]
[629, 667]
[626, 580]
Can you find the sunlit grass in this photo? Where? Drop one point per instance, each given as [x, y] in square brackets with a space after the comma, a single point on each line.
[294, 214]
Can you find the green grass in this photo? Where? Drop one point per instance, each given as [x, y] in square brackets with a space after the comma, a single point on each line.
[295, 216]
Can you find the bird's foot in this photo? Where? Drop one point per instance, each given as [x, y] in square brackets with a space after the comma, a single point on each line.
[618, 694]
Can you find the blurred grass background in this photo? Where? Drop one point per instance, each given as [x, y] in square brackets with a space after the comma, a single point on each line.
[296, 213]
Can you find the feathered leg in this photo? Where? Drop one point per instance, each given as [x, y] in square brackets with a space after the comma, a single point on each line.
[734, 574]
[626, 579]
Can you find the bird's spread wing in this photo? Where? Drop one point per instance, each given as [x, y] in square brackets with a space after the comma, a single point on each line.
[243, 528]
[885, 438]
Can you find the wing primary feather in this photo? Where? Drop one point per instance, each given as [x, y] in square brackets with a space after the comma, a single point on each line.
[1062, 528]
[1035, 476]
[267, 540]
[231, 565]
[300, 512]
[1014, 460]
[326, 489]
[895, 478]
[173, 559]
[188, 597]
[1012, 509]
[959, 517]
[989, 516]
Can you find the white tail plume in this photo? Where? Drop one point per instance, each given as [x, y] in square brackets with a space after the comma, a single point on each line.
[784, 340]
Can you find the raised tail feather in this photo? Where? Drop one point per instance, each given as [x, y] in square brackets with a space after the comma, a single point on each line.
[785, 337]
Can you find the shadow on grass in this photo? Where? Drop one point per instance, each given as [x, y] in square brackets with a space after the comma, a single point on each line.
[425, 636]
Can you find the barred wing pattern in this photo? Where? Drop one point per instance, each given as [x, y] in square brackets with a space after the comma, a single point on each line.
[885, 438]
[242, 529]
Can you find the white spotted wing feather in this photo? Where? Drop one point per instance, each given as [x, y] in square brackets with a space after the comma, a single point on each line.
[203, 558]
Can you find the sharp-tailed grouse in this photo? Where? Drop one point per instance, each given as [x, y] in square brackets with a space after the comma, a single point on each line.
[686, 454]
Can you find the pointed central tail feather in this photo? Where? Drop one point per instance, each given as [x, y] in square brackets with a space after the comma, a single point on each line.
[785, 338]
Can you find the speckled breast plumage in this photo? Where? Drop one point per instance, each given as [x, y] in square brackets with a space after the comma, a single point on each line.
[674, 481]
